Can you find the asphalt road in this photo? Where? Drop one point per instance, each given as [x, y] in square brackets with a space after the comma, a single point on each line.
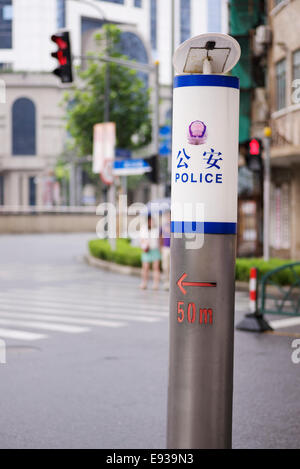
[87, 358]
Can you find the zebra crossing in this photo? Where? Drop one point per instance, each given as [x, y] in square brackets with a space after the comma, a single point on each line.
[74, 299]
[34, 314]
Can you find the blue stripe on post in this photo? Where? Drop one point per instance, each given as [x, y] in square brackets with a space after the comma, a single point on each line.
[224, 81]
[203, 227]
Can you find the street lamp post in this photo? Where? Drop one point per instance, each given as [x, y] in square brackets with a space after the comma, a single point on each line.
[74, 181]
[267, 187]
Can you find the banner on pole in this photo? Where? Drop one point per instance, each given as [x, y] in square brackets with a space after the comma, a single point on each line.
[104, 150]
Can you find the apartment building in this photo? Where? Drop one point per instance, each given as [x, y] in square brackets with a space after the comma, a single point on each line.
[283, 88]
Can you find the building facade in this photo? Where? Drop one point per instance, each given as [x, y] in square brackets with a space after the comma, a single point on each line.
[32, 136]
[283, 87]
[31, 120]
[269, 72]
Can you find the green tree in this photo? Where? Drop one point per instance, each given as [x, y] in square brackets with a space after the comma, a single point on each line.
[128, 100]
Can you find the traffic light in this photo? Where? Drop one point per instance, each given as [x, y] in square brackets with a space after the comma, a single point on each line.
[153, 176]
[64, 56]
[254, 155]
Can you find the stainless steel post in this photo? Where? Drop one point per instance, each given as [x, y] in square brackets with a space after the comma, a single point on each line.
[203, 244]
[201, 355]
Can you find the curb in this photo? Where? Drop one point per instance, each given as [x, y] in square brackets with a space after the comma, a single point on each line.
[112, 267]
[136, 271]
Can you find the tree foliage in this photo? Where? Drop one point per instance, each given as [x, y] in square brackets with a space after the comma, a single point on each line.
[128, 100]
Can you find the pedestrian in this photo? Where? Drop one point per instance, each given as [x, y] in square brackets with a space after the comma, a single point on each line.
[165, 248]
[150, 244]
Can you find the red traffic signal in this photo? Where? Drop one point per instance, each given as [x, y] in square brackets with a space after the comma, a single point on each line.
[64, 57]
[254, 155]
[254, 147]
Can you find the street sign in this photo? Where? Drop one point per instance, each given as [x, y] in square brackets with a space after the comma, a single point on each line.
[131, 167]
[165, 137]
[107, 175]
[165, 148]
[203, 239]
[104, 150]
[165, 131]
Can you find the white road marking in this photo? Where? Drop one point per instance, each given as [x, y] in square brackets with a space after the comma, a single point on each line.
[102, 305]
[63, 319]
[44, 326]
[20, 335]
[282, 323]
[82, 292]
[75, 311]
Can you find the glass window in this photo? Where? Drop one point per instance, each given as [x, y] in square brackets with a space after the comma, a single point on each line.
[32, 191]
[61, 13]
[132, 46]
[296, 65]
[6, 17]
[7, 12]
[5, 66]
[281, 84]
[88, 24]
[23, 127]
[185, 20]
[153, 16]
[1, 189]
[214, 20]
[138, 3]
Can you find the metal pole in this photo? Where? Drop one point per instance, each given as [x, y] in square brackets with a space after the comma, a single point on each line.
[201, 349]
[79, 185]
[203, 247]
[107, 84]
[156, 130]
[72, 187]
[172, 72]
[92, 5]
[267, 187]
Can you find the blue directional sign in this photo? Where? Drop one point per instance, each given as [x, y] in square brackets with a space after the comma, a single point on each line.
[165, 131]
[165, 135]
[165, 148]
[131, 167]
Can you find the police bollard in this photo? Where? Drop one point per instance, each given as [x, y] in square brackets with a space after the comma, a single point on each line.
[203, 226]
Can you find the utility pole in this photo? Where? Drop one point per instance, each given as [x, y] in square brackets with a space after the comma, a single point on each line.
[72, 186]
[172, 72]
[267, 191]
[154, 187]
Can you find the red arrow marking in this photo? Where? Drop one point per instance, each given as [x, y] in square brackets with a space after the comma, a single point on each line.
[182, 284]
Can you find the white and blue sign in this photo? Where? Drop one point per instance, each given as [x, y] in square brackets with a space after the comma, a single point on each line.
[131, 167]
[165, 137]
[205, 154]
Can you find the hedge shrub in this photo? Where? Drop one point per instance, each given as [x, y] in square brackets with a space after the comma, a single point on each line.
[126, 254]
[283, 277]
